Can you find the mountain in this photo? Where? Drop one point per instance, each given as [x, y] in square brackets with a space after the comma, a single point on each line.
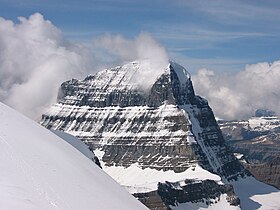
[256, 142]
[39, 170]
[158, 139]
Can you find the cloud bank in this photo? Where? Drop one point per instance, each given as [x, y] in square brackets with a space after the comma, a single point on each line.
[35, 58]
[238, 96]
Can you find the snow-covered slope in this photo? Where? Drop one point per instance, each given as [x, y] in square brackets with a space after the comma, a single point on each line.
[38, 170]
[78, 144]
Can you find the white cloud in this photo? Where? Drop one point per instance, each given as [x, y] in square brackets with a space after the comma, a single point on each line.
[239, 95]
[142, 47]
[35, 59]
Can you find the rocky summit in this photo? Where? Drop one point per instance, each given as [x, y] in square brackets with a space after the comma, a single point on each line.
[154, 136]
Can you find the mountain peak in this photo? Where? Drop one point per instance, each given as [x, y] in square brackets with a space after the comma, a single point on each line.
[170, 92]
[138, 74]
[137, 83]
[181, 72]
[152, 132]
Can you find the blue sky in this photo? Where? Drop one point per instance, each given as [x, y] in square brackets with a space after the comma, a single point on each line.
[221, 35]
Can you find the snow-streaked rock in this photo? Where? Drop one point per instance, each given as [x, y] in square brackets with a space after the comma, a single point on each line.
[166, 135]
[164, 128]
[39, 170]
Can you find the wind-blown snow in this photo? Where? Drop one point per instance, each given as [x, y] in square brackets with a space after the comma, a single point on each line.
[142, 48]
[38, 170]
[140, 74]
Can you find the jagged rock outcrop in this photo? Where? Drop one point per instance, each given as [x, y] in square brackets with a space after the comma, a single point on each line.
[165, 127]
[207, 191]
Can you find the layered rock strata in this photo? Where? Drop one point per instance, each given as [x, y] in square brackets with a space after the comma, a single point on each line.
[167, 127]
[163, 127]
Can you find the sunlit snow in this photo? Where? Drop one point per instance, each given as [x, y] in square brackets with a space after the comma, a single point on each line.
[39, 170]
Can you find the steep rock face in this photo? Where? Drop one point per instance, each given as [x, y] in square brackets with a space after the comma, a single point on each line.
[166, 127]
[257, 142]
[152, 200]
[266, 172]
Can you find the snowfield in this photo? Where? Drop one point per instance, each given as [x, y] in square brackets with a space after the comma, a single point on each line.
[137, 180]
[39, 170]
[252, 193]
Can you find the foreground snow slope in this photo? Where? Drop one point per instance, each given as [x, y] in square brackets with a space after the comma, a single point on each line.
[75, 142]
[38, 170]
